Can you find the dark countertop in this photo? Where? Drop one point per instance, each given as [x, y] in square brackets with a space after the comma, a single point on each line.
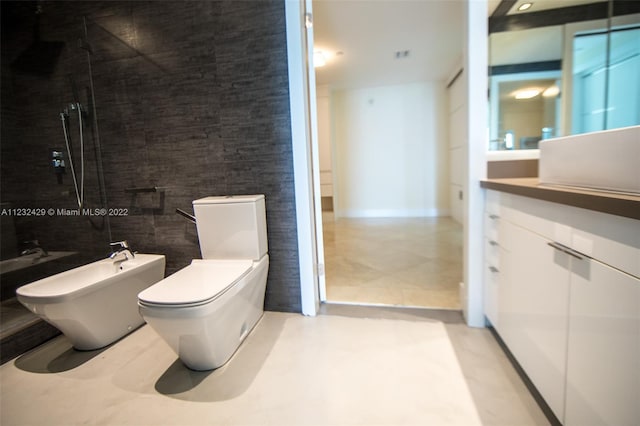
[625, 205]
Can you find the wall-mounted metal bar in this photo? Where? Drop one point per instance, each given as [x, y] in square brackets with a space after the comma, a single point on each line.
[186, 215]
[144, 189]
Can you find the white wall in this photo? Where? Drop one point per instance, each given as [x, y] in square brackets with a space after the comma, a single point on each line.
[323, 103]
[390, 150]
[457, 115]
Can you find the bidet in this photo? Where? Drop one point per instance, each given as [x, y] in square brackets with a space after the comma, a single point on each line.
[95, 304]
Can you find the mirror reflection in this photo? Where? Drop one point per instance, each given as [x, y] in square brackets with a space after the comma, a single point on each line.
[526, 110]
[606, 87]
[555, 80]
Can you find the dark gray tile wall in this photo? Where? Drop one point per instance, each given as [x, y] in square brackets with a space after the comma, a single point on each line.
[190, 96]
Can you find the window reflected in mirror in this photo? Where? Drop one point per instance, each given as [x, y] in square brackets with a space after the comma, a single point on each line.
[527, 110]
[601, 106]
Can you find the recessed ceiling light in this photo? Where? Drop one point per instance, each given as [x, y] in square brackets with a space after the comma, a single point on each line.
[524, 6]
[527, 93]
[551, 91]
[319, 59]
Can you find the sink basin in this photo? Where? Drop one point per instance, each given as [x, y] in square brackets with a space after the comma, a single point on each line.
[608, 160]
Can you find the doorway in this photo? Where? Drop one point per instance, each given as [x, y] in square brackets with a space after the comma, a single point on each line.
[383, 145]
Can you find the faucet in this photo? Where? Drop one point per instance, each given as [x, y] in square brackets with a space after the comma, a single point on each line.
[34, 247]
[122, 251]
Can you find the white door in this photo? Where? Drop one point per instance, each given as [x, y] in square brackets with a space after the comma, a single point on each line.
[315, 154]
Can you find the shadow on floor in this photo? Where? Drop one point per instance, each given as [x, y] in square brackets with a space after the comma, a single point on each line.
[446, 316]
[55, 356]
[232, 379]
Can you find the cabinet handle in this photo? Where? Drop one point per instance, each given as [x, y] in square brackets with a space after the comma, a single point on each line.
[572, 252]
[566, 249]
[493, 243]
[557, 246]
[494, 216]
[494, 269]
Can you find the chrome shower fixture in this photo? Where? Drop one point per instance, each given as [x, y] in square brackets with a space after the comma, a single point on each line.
[75, 107]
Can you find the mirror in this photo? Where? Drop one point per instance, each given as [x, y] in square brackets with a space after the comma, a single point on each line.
[560, 71]
[606, 88]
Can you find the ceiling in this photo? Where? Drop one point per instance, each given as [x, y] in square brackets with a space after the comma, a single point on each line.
[361, 38]
[539, 5]
[534, 44]
[370, 32]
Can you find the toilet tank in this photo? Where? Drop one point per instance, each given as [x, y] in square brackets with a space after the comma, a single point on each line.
[231, 227]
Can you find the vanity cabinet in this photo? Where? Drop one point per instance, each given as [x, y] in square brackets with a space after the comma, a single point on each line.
[603, 363]
[571, 319]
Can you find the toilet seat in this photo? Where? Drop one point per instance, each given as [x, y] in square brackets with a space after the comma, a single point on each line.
[199, 283]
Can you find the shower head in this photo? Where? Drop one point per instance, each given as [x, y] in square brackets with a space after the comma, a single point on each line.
[73, 108]
[41, 57]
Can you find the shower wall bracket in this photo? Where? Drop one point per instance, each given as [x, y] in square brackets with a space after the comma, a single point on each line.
[149, 200]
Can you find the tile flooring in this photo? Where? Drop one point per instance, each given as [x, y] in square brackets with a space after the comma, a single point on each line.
[393, 261]
[351, 366]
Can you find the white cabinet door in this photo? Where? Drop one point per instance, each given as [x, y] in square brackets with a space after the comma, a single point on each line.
[603, 365]
[534, 313]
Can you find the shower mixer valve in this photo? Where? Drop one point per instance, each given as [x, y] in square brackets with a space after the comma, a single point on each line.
[57, 161]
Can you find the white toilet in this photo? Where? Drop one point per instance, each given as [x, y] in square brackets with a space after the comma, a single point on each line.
[205, 310]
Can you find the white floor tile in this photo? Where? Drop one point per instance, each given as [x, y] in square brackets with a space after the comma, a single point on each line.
[292, 370]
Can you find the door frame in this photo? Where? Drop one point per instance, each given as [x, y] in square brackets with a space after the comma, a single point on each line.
[305, 160]
[302, 93]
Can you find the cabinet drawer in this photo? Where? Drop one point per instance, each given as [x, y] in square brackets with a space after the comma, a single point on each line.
[492, 253]
[612, 240]
[492, 224]
[550, 220]
[492, 202]
[492, 278]
[498, 230]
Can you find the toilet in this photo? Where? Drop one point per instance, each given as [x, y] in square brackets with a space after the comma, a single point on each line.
[206, 310]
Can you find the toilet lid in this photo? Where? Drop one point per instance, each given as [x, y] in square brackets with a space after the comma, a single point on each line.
[200, 282]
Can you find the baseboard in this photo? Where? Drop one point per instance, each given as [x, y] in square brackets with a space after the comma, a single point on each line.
[373, 213]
